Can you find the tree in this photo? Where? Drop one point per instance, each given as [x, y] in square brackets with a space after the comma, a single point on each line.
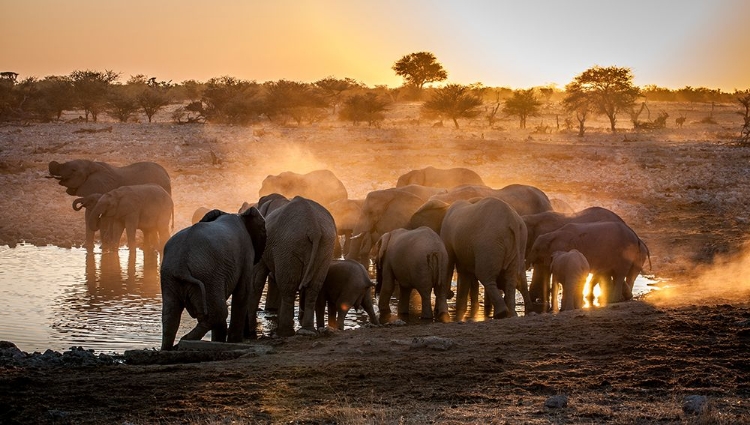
[420, 68]
[608, 90]
[743, 97]
[151, 95]
[293, 99]
[577, 102]
[230, 100]
[91, 89]
[121, 102]
[453, 101]
[522, 103]
[366, 107]
[333, 88]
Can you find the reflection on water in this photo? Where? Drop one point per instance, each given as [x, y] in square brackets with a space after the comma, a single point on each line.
[56, 298]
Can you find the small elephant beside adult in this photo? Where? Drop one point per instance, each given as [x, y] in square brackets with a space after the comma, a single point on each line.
[147, 207]
[202, 266]
[415, 260]
[347, 284]
[299, 249]
[485, 240]
[614, 252]
[569, 270]
[440, 177]
[321, 186]
[82, 177]
[545, 222]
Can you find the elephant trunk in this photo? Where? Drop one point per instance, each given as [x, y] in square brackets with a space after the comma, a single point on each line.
[78, 204]
[92, 221]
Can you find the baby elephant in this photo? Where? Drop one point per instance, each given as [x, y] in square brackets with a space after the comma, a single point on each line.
[145, 206]
[347, 285]
[569, 269]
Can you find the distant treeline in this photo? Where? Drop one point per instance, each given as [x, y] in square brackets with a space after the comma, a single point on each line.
[231, 100]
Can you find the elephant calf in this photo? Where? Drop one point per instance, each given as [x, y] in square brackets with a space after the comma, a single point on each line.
[347, 285]
[569, 269]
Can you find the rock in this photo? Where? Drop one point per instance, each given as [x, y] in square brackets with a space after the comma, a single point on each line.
[557, 401]
[432, 342]
[694, 404]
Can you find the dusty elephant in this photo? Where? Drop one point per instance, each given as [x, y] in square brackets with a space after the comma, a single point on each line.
[570, 270]
[413, 260]
[485, 240]
[83, 177]
[347, 284]
[202, 266]
[545, 222]
[438, 177]
[321, 186]
[88, 203]
[613, 250]
[266, 204]
[147, 207]
[299, 249]
[383, 211]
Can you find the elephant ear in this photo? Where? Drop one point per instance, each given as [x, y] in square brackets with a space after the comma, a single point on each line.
[211, 216]
[256, 227]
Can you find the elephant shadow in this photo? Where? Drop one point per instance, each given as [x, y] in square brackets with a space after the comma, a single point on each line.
[108, 281]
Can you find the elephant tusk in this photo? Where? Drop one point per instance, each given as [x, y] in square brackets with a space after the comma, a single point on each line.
[357, 236]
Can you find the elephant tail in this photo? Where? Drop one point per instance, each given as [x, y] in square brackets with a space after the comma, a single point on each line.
[190, 279]
[309, 268]
[433, 263]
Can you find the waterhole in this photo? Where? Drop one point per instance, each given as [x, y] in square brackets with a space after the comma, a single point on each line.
[56, 298]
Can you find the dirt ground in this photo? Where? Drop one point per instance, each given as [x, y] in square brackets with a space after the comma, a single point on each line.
[684, 190]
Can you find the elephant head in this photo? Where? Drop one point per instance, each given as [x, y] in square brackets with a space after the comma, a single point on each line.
[546, 244]
[76, 174]
[87, 202]
[430, 214]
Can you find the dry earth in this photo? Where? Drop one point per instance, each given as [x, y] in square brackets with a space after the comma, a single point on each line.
[684, 190]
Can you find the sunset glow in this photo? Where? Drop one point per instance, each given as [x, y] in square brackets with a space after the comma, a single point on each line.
[498, 43]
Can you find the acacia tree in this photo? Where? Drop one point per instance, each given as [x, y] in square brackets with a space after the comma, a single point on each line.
[332, 88]
[522, 103]
[453, 101]
[576, 102]
[608, 90]
[293, 99]
[91, 89]
[420, 68]
[229, 100]
[367, 107]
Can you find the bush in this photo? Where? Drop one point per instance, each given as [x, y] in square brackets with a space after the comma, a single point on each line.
[366, 107]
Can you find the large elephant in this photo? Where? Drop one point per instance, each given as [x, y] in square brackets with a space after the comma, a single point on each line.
[321, 186]
[438, 177]
[485, 240]
[613, 250]
[267, 204]
[383, 211]
[88, 203]
[523, 198]
[347, 284]
[570, 270]
[299, 249]
[147, 207]
[413, 260]
[202, 266]
[545, 222]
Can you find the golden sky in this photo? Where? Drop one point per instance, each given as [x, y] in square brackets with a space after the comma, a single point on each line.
[519, 44]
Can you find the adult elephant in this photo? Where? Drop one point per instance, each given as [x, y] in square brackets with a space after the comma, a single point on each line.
[382, 211]
[267, 204]
[524, 199]
[202, 266]
[413, 260]
[299, 250]
[439, 177]
[83, 177]
[485, 240]
[147, 207]
[545, 222]
[321, 186]
[613, 250]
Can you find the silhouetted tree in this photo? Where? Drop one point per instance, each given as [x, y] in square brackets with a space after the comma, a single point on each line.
[91, 89]
[367, 107]
[57, 92]
[577, 102]
[332, 89]
[121, 102]
[420, 68]
[453, 101]
[230, 100]
[293, 99]
[522, 103]
[150, 95]
[608, 90]
[743, 97]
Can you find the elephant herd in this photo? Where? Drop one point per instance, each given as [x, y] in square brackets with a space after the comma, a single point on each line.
[416, 234]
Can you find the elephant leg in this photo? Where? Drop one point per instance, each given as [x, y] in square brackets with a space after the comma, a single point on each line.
[286, 316]
[404, 294]
[523, 288]
[490, 288]
[555, 291]
[508, 282]
[89, 243]
[618, 284]
[240, 306]
[273, 299]
[170, 322]
[260, 272]
[219, 332]
[386, 290]
[474, 298]
[311, 296]
[198, 332]
[426, 304]
[368, 307]
[539, 289]
[462, 295]
[341, 315]
[320, 308]
[130, 231]
[332, 310]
